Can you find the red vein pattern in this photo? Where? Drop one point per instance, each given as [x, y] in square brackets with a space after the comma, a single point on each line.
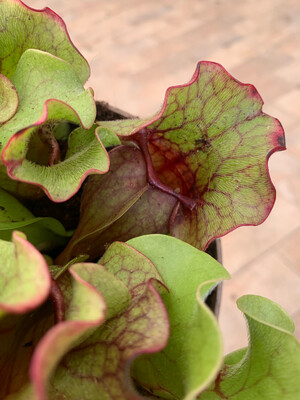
[209, 147]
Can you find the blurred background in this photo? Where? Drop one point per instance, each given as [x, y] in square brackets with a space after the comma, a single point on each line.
[138, 48]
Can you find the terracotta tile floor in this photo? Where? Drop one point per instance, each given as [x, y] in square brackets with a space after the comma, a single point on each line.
[137, 48]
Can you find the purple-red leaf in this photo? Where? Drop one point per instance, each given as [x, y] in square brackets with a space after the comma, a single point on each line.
[114, 206]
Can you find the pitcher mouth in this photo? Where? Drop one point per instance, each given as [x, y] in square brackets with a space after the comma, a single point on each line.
[48, 143]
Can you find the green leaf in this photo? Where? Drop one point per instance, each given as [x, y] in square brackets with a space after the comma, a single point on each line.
[270, 368]
[41, 66]
[22, 28]
[193, 355]
[50, 93]
[130, 266]
[208, 147]
[41, 78]
[44, 233]
[24, 276]
[8, 99]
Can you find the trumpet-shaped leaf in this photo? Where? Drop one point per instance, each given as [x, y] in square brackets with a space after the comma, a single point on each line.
[50, 92]
[114, 206]
[269, 368]
[208, 147]
[112, 313]
[41, 78]
[194, 352]
[136, 322]
[113, 319]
